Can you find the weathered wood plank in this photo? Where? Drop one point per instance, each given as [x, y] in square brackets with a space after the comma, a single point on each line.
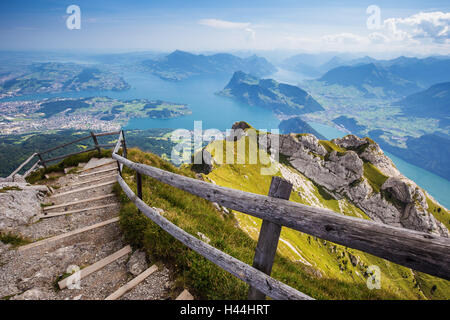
[68, 155]
[124, 145]
[139, 185]
[22, 165]
[133, 283]
[96, 172]
[94, 138]
[118, 143]
[63, 213]
[26, 174]
[99, 166]
[67, 234]
[41, 160]
[185, 295]
[101, 134]
[79, 152]
[65, 144]
[421, 251]
[83, 273]
[105, 177]
[271, 287]
[79, 202]
[82, 189]
[269, 236]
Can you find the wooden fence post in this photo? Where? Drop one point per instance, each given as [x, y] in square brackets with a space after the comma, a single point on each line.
[42, 160]
[124, 145]
[139, 185]
[96, 142]
[269, 236]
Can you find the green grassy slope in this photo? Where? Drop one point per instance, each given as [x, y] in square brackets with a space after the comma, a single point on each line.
[197, 215]
[330, 260]
[316, 267]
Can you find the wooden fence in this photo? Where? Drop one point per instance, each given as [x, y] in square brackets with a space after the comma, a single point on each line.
[43, 162]
[421, 251]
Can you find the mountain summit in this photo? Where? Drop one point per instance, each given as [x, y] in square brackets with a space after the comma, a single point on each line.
[181, 65]
[279, 97]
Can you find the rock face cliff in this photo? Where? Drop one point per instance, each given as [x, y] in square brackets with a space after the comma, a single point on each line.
[358, 170]
[268, 93]
[19, 203]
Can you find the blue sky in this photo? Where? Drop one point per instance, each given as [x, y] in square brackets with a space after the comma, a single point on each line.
[415, 27]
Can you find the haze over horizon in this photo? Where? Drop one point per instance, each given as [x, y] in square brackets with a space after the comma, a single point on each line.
[412, 28]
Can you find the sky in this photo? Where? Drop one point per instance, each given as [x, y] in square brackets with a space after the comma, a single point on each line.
[369, 27]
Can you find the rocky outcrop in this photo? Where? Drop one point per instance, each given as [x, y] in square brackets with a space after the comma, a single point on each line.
[369, 151]
[137, 263]
[307, 155]
[19, 203]
[339, 166]
[411, 201]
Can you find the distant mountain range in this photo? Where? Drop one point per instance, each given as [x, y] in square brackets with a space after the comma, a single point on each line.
[369, 78]
[297, 125]
[433, 102]
[396, 78]
[180, 65]
[279, 97]
[317, 65]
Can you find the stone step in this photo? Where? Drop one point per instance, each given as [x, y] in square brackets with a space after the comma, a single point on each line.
[94, 267]
[97, 186]
[133, 283]
[96, 173]
[79, 202]
[67, 234]
[92, 169]
[56, 214]
[71, 186]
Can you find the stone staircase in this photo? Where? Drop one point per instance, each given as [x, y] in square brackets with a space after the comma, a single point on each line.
[77, 251]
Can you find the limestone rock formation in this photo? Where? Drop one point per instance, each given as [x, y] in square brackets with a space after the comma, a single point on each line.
[19, 203]
[370, 151]
[357, 169]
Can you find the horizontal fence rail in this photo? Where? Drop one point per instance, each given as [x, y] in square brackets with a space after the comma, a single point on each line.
[23, 165]
[79, 152]
[413, 249]
[66, 144]
[417, 250]
[43, 161]
[266, 284]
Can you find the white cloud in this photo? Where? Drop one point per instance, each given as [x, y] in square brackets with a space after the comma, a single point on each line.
[251, 34]
[223, 24]
[434, 26]
[377, 37]
[344, 38]
[418, 30]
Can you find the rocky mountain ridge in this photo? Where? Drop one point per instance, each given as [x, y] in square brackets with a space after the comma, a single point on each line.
[357, 169]
[279, 97]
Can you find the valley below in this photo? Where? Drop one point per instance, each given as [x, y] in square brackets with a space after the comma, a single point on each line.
[21, 115]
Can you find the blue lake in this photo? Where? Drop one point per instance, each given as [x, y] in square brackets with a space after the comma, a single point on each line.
[221, 112]
[198, 93]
